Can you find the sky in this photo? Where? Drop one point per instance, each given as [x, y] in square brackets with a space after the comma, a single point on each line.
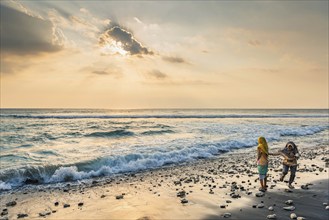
[168, 54]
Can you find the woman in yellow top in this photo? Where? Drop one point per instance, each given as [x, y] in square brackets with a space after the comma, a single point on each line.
[262, 162]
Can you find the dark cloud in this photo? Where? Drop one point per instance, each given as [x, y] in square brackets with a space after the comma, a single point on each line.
[127, 40]
[174, 59]
[9, 67]
[101, 72]
[254, 43]
[22, 34]
[156, 74]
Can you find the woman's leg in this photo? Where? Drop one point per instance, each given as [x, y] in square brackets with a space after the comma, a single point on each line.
[285, 169]
[261, 181]
[265, 182]
[292, 174]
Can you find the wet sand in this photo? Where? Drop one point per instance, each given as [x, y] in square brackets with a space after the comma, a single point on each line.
[218, 188]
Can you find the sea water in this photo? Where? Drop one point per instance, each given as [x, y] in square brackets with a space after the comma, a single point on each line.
[48, 146]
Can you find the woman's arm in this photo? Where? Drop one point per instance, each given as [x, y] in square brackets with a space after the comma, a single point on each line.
[259, 154]
[274, 154]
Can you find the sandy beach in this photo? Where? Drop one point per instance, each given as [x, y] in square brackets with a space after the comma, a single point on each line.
[222, 187]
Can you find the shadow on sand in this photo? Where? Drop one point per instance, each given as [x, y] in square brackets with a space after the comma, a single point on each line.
[308, 203]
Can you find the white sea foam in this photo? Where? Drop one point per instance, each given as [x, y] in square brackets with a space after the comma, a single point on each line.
[300, 131]
[4, 186]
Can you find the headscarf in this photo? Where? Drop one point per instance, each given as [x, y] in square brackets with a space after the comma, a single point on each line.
[294, 148]
[262, 145]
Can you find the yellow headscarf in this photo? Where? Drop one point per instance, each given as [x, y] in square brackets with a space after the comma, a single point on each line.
[262, 145]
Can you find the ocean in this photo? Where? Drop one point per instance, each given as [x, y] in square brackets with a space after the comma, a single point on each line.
[54, 146]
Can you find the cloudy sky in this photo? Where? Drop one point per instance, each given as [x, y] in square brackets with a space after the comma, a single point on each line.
[175, 54]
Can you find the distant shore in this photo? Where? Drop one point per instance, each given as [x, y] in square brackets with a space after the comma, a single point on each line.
[222, 187]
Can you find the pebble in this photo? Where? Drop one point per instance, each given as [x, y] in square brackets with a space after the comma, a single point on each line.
[227, 215]
[4, 212]
[289, 208]
[235, 196]
[289, 202]
[270, 208]
[66, 205]
[183, 201]
[80, 204]
[13, 203]
[300, 218]
[293, 216]
[304, 187]
[327, 207]
[271, 216]
[56, 203]
[222, 206]
[261, 205]
[324, 204]
[260, 194]
[181, 194]
[22, 215]
[119, 197]
[102, 196]
[42, 214]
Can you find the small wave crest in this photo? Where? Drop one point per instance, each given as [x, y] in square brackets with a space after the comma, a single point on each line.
[303, 130]
[115, 133]
[155, 132]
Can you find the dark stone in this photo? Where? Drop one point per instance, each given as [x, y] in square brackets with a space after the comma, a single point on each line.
[305, 187]
[56, 203]
[4, 213]
[80, 204]
[12, 203]
[66, 205]
[22, 215]
[181, 194]
[177, 183]
[102, 196]
[235, 196]
[119, 197]
[183, 201]
[42, 214]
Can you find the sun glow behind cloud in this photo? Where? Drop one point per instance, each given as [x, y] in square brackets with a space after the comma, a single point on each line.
[112, 47]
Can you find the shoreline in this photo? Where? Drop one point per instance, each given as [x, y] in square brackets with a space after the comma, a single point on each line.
[195, 190]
